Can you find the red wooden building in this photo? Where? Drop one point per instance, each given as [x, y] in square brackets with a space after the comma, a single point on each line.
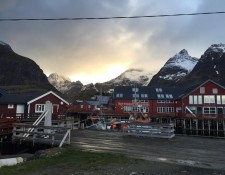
[31, 104]
[198, 109]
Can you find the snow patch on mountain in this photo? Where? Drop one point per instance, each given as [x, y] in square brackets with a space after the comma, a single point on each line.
[134, 75]
[182, 60]
[178, 66]
[218, 47]
[60, 82]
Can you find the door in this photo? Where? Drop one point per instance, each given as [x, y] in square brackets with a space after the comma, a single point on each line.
[220, 112]
[20, 110]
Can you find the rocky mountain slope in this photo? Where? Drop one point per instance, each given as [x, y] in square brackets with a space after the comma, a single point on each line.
[211, 65]
[18, 71]
[175, 69]
[77, 89]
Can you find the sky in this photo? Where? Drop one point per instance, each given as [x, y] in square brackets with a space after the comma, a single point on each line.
[99, 50]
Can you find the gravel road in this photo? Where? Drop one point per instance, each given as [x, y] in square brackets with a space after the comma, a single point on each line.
[193, 152]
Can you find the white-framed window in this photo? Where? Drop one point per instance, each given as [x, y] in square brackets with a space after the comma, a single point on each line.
[10, 106]
[89, 106]
[209, 110]
[215, 91]
[81, 106]
[220, 99]
[223, 99]
[195, 99]
[202, 90]
[165, 101]
[209, 99]
[39, 107]
[165, 109]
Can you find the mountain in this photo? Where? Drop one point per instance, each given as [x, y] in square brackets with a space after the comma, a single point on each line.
[18, 72]
[210, 66]
[65, 85]
[78, 90]
[130, 77]
[175, 69]
[61, 83]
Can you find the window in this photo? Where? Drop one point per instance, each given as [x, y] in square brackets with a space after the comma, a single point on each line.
[81, 106]
[165, 101]
[127, 108]
[191, 101]
[209, 110]
[89, 106]
[199, 99]
[144, 95]
[209, 99]
[119, 95]
[202, 90]
[218, 99]
[165, 109]
[142, 109]
[223, 99]
[195, 99]
[39, 108]
[158, 89]
[10, 106]
[135, 95]
[215, 91]
[135, 89]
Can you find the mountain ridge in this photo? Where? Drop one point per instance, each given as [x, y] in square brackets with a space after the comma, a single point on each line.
[17, 70]
[175, 69]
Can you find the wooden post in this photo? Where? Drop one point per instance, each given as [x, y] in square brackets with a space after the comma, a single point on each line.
[217, 128]
[223, 129]
[184, 126]
[190, 126]
[196, 126]
[209, 126]
[203, 127]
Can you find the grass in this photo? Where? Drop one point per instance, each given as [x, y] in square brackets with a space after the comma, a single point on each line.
[66, 156]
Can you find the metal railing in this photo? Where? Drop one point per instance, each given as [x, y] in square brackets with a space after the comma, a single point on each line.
[56, 136]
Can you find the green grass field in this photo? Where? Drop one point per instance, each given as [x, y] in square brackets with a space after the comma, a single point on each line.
[65, 156]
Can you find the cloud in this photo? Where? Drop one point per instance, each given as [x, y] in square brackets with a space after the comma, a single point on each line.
[88, 48]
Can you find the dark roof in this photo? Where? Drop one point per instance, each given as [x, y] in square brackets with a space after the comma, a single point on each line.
[103, 99]
[147, 92]
[2, 91]
[19, 98]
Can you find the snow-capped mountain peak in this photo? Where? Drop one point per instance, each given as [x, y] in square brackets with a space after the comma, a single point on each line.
[57, 78]
[60, 82]
[182, 60]
[139, 76]
[218, 47]
[176, 68]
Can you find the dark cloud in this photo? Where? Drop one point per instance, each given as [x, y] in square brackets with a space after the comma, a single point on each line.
[90, 47]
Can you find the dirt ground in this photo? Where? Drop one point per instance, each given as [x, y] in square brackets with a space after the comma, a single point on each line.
[182, 155]
[181, 150]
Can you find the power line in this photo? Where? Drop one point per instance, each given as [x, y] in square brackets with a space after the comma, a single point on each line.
[113, 17]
